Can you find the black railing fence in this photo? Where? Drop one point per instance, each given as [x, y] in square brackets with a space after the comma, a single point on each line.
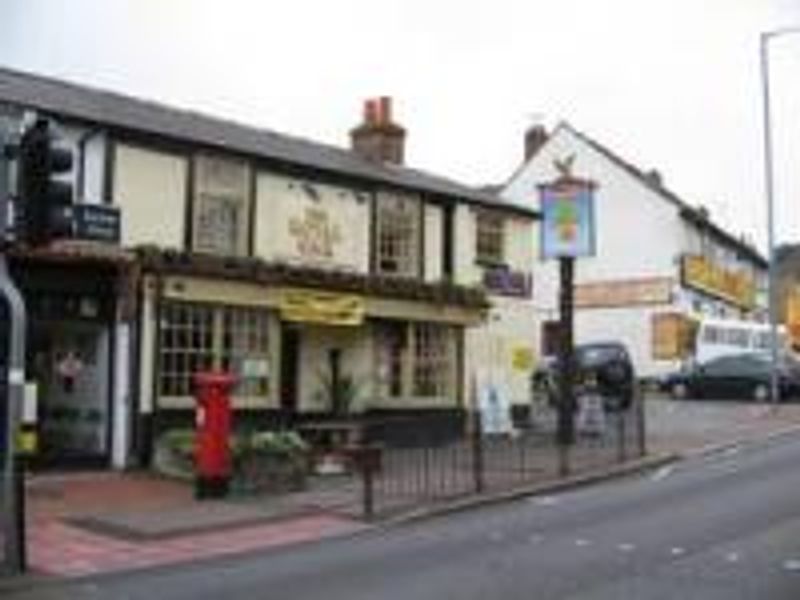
[396, 479]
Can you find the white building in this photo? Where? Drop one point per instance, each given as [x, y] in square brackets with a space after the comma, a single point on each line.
[658, 262]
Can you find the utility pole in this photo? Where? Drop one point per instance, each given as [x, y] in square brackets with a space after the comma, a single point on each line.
[14, 379]
[772, 285]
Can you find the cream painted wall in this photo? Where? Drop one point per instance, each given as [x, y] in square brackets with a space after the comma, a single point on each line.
[464, 269]
[433, 242]
[284, 205]
[512, 323]
[150, 189]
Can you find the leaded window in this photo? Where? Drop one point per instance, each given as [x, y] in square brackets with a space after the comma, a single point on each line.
[489, 238]
[397, 236]
[221, 206]
[196, 337]
[415, 359]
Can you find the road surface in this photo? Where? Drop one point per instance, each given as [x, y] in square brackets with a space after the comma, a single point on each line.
[725, 526]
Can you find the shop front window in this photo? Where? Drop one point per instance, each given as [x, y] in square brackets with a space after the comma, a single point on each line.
[416, 359]
[196, 337]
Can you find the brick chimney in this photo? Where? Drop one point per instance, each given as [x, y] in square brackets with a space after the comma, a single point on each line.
[535, 138]
[377, 138]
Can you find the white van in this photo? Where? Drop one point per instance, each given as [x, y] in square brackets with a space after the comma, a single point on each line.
[720, 337]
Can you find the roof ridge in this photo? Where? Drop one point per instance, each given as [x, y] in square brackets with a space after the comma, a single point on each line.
[167, 107]
[686, 209]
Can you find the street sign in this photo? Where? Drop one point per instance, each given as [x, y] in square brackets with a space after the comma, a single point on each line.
[96, 222]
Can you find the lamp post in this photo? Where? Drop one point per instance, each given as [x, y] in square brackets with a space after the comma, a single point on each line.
[765, 38]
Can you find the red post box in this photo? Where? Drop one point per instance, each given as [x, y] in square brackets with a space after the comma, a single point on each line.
[212, 438]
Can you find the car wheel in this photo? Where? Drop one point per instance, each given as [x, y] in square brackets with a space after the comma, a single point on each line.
[761, 392]
[679, 391]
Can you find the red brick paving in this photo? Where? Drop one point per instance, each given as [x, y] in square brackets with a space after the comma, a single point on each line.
[56, 548]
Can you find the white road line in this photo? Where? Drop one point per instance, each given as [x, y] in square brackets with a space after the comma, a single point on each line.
[732, 557]
[546, 501]
[677, 551]
[626, 547]
[581, 543]
[791, 565]
[733, 451]
[662, 473]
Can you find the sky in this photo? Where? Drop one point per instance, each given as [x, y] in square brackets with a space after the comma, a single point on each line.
[672, 85]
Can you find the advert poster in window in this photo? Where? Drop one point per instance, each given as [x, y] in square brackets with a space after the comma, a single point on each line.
[568, 223]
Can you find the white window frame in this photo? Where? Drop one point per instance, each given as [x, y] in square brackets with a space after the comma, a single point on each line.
[398, 233]
[228, 336]
[490, 238]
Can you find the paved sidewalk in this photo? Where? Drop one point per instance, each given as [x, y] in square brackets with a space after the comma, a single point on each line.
[685, 427]
[100, 522]
[89, 523]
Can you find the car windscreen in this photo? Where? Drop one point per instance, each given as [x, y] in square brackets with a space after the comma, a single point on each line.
[590, 356]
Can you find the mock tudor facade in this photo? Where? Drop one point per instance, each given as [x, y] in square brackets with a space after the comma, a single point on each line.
[299, 267]
[660, 263]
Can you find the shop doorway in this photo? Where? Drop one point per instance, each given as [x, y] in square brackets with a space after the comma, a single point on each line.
[290, 356]
[69, 361]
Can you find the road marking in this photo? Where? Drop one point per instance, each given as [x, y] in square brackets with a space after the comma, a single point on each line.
[733, 451]
[662, 473]
[791, 565]
[546, 501]
[581, 543]
[626, 547]
[677, 551]
[732, 557]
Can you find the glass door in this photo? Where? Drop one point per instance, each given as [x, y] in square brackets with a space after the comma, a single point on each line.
[70, 363]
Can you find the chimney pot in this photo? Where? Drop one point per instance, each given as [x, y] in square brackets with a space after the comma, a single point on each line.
[377, 138]
[385, 112]
[370, 112]
[535, 138]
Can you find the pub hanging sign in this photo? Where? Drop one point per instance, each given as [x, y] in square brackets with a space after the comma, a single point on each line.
[568, 221]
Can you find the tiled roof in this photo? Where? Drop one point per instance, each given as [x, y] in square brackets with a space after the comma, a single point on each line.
[135, 115]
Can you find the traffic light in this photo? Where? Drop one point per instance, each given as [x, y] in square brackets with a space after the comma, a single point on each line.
[45, 201]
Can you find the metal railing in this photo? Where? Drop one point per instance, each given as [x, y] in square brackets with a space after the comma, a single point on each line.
[396, 480]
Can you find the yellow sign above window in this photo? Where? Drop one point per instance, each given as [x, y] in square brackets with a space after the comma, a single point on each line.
[702, 274]
[324, 308]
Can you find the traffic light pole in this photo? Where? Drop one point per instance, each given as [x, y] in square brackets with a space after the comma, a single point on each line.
[14, 545]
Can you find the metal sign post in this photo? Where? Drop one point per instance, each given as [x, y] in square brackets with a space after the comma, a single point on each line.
[13, 543]
[567, 232]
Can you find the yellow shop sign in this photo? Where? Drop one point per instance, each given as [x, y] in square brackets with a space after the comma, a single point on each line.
[702, 274]
[325, 308]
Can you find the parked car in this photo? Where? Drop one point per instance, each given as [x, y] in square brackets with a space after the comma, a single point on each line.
[739, 376]
[608, 363]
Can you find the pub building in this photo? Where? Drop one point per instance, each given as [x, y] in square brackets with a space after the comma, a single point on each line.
[330, 282]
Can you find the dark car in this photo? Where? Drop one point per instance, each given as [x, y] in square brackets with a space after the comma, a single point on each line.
[739, 376]
[607, 363]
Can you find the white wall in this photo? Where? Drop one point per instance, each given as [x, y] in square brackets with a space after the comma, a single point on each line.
[639, 235]
[284, 206]
[150, 189]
